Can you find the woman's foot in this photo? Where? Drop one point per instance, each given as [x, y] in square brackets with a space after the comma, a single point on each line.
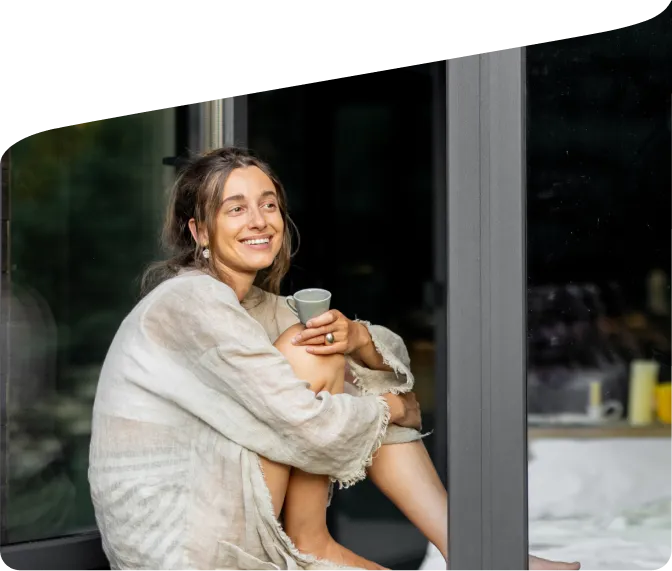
[327, 549]
[538, 563]
[336, 553]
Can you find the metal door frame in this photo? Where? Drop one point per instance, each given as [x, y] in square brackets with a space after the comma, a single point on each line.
[218, 123]
[486, 300]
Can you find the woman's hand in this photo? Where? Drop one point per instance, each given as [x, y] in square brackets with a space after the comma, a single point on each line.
[404, 410]
[348, 334]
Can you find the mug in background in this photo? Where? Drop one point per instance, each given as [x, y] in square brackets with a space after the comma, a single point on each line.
[602, 411]
[309, 303]
[609, 410]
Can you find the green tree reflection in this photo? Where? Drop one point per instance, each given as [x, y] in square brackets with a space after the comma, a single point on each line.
[86, 204]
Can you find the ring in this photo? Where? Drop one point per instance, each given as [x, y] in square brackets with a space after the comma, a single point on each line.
[329, 338]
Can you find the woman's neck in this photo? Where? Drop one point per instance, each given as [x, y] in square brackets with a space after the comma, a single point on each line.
[240, 282]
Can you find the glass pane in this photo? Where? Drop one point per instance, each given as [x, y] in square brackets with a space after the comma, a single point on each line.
[355, 156]
[86, 205]
[599, 147]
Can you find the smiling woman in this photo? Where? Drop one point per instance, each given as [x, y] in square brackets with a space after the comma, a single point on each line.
[252, 190]
[206, 420]
[218, 423]
[249, 224]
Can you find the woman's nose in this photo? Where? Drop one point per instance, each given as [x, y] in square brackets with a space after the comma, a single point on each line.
[257, 219]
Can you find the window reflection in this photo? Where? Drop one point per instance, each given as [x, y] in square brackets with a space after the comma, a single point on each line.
[86, 203]
[599, 147]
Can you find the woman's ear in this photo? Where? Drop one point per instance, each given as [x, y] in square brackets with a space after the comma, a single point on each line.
[201, 239]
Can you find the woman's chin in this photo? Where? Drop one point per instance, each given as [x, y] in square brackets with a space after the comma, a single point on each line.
[252, 261]
[260, 264]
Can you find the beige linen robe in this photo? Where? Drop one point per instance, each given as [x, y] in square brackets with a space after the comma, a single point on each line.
[191, 392]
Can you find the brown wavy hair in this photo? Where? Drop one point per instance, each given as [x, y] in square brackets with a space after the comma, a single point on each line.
[197, 193]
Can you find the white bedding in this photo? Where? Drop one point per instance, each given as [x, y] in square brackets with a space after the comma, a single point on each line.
[604, 502]
[636, 540]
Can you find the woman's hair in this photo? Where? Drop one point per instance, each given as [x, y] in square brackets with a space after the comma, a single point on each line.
[197, 193]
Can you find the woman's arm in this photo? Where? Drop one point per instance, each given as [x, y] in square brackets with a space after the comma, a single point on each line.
[377, 359]
[365, 351]
[380, 363]
[245, 389]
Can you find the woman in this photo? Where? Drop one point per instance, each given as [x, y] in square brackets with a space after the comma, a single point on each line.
[198, 417]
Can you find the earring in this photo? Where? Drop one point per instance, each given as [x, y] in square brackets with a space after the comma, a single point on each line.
[206, 253]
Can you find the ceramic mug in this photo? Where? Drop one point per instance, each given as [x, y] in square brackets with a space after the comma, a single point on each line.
[309, 303]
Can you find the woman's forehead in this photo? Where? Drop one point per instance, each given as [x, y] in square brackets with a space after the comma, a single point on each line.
[248, 182]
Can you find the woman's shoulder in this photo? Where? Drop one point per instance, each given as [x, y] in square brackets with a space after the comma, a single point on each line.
[194, 286]
[194, 310]
[188, 298]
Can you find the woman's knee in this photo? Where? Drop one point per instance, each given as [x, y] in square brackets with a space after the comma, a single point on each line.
[318, 370]
[288, 334]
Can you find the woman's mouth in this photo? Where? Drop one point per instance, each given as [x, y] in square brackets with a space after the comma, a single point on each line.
[262, 243]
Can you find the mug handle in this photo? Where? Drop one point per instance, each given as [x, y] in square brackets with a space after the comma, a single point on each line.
[612, 410]
[291, 303]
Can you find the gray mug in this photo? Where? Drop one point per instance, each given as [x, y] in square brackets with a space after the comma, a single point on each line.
[309, 303]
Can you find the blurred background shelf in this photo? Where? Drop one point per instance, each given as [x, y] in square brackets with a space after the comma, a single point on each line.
[611, 430]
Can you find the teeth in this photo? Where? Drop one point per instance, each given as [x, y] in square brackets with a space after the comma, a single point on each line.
[259, 241]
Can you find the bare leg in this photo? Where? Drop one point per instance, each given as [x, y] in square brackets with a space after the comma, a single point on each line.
[301, 496]
[403, 472]
[406, 475]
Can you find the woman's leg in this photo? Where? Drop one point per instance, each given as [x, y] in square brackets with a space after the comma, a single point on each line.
[403, 472]
[301, 496]
[406, 475]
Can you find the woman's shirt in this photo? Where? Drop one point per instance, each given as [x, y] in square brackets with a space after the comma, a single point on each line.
[190, 393]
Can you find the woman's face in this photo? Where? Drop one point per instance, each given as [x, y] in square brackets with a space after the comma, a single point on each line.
[249, 226]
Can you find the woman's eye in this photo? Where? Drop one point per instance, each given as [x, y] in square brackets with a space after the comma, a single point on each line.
[236, 209]
[270, 206]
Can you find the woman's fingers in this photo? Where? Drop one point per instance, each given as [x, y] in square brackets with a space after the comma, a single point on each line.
[317, 328]
[327, 349]
[312, 333]
[324, 319]
[319, 340]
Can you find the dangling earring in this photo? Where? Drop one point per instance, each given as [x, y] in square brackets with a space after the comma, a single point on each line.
[206, 253]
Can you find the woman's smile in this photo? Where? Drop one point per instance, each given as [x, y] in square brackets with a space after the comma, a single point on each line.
[249, 227]
[262, 242]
